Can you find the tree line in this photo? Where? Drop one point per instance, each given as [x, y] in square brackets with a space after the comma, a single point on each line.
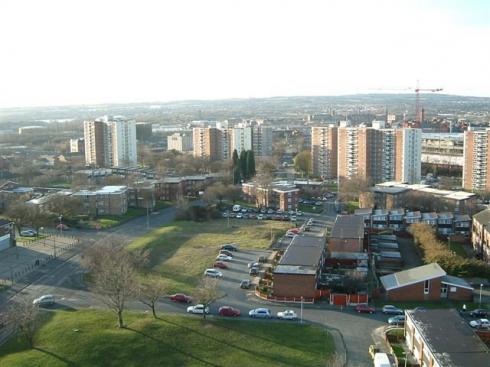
[434, 250]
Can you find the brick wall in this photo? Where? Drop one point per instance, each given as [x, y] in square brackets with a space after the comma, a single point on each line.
[290, 285]
[415, 292]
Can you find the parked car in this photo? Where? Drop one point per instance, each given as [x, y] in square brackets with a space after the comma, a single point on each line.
[225, 215]
[225, 252]
[252, 216]
[263, 210]
[270, 211]
[180, 298]
[480, 324]
[363, 308]
[254, 271]
[392, 310]
[253, 264]
[244, 210]
[198, 309]
[260, 313]
[260, 217]
[479, 312]
[232, 215]
[220, 265]
[397, 320]
[236, 208]
[318, 203]
[245, 284]
[213, 273]
[228, 311]
[230, 247]
[290, 234]
[293, 218]
[287, 315]
[239, 216]
[299, 213]
[45, 300]
[223, 257]
[28, 233]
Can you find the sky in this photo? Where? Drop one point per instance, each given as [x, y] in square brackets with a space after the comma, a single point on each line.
[58, 52]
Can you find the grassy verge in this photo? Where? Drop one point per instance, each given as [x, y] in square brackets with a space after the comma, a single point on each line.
[169, 341]
[350, 206]
[180, 252]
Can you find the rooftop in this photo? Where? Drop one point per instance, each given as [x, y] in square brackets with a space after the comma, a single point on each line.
[303, 250]
[348, 226]
[111, 189]
[363, 211]
[412, 276]
[449, 338]
[483, 217]
[397, 187]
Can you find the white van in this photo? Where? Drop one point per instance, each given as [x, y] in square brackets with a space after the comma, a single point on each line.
[381, 360]
[237, 208]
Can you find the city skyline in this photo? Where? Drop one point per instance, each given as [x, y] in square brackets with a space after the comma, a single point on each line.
[61, 53]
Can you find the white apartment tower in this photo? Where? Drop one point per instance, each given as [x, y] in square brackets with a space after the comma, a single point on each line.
[408, 155]
[181, 142]
[252, 135]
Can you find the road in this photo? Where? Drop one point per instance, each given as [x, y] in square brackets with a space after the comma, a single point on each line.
[64, 280]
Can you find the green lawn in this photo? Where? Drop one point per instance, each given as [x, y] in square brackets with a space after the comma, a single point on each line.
[169, 341]
[350, 206]
[181, 251]
[458, 248]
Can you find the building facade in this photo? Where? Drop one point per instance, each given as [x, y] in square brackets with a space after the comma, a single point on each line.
[408, 155]
[211, 143]
[181, 142]
[480, 235]
[324, 151]
[476, 160]
[110, 142]
[77, 145]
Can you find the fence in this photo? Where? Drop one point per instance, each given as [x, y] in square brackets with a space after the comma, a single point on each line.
[344, 299]
[268, 297]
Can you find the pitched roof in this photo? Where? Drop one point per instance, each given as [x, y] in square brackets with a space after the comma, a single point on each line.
[458, 282]
[348, 226]
[412, 276]
[449, 338]
[483, 217]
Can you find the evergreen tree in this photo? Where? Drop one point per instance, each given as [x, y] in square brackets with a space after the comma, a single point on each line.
[243, 164]
[235, 167]
[250, 164]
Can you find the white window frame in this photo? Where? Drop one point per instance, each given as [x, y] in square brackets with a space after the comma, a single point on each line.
[427, 286]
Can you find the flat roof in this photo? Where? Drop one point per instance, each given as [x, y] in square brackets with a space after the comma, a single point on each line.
[363, 211]
[111, 189]
[449, 338]
[483, 217]
[348, 226]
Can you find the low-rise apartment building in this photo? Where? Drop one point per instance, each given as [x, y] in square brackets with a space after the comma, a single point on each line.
[347, 234]
[281, 195]
[109, 200]
[442, 338]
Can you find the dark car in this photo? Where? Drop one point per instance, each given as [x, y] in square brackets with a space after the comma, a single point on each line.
[220, 264]
[229, 247]
[397, 320]
[254, 271]
[228, 311]
[365, 309]
[226, 252]
[479, 312]
[181, 298]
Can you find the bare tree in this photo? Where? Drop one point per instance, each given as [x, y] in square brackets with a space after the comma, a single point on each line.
[113, 273]
[207, 293]
[150, 292]
[24, 317]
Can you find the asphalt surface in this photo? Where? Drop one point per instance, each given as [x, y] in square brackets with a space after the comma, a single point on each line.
[64, 281]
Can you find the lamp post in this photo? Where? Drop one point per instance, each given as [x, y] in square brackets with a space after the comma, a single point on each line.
[481, 287]
[61, 223]
[301, 311]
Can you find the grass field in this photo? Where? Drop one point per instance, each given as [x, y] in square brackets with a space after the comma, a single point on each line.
[310, 208]
[180, 252]
[169, 341]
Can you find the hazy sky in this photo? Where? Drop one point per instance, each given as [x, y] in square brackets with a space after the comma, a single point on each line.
[84, 51]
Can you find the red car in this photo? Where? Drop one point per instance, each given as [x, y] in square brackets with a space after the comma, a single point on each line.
[365, 309]
[228, 311]
[220, 264]
[181, 298]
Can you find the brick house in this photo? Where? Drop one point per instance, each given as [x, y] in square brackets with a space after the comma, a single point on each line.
[347, 234]
[425, 283]
[299, 268]
[279, 195]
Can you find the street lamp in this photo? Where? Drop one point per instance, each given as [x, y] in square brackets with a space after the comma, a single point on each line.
[61, 223]
[301, 311]
[481, 287]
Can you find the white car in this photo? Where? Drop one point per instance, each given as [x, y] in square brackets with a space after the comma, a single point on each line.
[293, 218]
[213, 273]
[46, 300]
[198, 309]
[239, 216]
[223, 257]
[260, 217]
[28, 233]
[480, 324]
[287, 315]
[299, 213]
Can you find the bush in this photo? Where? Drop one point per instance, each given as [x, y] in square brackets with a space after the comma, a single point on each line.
[434, 250]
